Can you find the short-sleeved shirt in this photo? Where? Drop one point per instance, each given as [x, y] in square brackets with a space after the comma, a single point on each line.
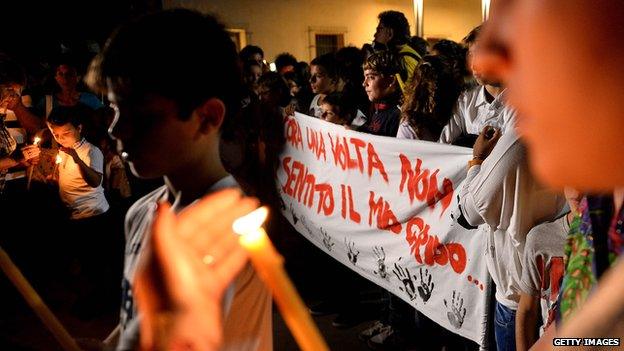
[83, 200]
[543, 265]
[247, 324]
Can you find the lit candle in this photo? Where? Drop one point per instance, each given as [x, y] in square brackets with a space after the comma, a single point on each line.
[57, 162]
[269, 265]
[36, 142]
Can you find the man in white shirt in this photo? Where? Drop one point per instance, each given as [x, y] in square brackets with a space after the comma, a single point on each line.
[502, 199]
[479, 106]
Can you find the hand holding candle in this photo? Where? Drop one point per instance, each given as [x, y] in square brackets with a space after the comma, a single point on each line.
[180, 283]
[269, 265]
[36, 142]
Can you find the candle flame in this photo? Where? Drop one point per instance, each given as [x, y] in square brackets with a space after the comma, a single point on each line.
[249, 223]
[37, 141]
[59, 159]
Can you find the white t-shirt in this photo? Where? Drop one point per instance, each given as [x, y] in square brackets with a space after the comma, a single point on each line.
[247, 303]
[359, 120]
[406, 131]
[315, 108]
[472, 113]
[543, 267]
[83, 200]
[503, 199]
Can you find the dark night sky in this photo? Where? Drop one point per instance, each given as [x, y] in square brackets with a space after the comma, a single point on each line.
[33, 30]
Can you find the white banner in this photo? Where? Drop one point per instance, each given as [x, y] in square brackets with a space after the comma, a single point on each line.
[384, 207]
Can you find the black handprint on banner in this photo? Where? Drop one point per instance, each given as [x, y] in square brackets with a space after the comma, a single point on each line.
[403, 274]
[457, 311]
[352, 252]
[328, 242]
[381, 262]
[426, 287]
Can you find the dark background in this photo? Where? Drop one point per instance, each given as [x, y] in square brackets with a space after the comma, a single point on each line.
[33, 31]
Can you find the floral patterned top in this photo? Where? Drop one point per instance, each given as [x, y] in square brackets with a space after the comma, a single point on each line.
[593, 245]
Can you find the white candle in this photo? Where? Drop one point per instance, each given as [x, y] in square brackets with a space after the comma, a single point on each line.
[269, 266]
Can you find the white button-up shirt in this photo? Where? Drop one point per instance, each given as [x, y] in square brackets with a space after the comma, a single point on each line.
[472, 113]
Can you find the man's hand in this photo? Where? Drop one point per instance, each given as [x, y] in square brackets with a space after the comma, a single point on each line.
[181, 281]
[31, 155]
[485, 143]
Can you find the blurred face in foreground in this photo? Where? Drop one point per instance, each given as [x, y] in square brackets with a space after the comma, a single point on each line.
[565, 70]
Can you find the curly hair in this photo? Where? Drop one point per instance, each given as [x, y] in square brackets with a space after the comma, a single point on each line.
[384, 62]
[455, 55]
[430, 97]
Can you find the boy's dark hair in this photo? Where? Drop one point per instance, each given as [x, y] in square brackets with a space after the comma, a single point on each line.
[179, 54]
[471, 38]
[449, 48]
[419, 44]
[383, 62]
[455, 55]
[350, 60]
[285, 59]
[248, 51]
[11, 72]
[276, 83]
[61, 115]
[329, 64]
[345, 103]
[398, 23]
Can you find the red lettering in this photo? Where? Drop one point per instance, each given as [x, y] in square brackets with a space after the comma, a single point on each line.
[386, 219]
[434, 251]
[422, 185]
[338, 152]
[375, 162]
[287, 188]
[301, 185]
[353, 214]
[293, 134]
[316, 143]
[416, 240]
[358, 145]
[326, 199]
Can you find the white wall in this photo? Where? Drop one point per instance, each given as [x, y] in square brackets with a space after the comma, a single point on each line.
[284, 25]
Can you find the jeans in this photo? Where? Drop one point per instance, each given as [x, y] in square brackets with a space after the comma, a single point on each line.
[505, 328]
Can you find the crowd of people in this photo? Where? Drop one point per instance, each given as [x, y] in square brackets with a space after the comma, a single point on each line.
[205, 118]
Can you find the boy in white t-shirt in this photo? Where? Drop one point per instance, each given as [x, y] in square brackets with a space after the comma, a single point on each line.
[81, 165]
[89, 240]
[172, 132]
